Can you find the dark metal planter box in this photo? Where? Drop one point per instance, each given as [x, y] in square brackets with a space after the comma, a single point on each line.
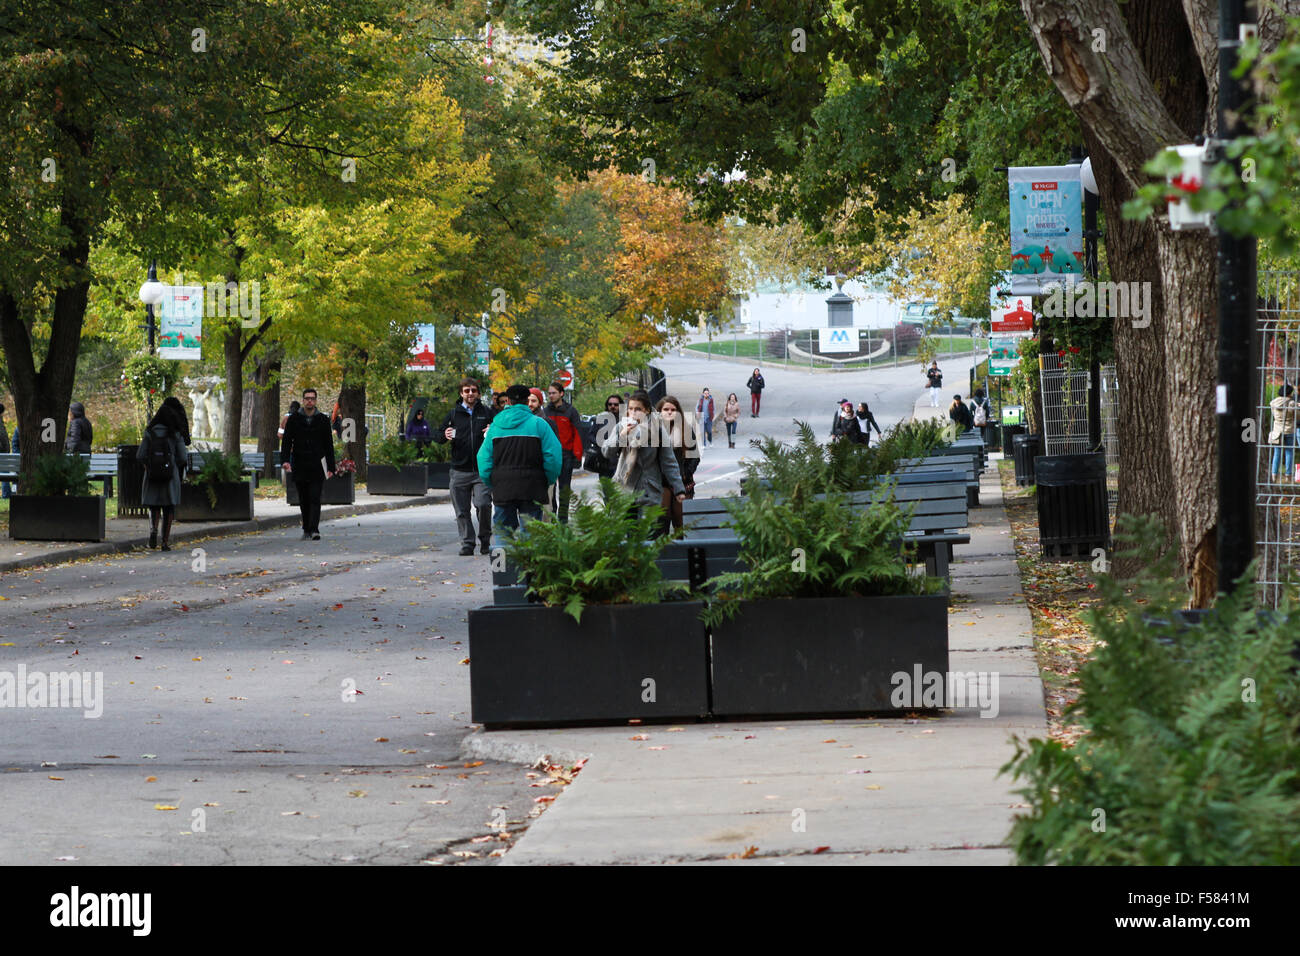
[234, 502]
[823, 656]
[56, 518]
[410, 480]
[440, 474]
[339, 490]
[533, 665]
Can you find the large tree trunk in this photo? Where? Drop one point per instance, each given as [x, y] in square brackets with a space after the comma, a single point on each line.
[42, 398]
[234, 369]
[1146, 90]
[266, 406]
[352, 406]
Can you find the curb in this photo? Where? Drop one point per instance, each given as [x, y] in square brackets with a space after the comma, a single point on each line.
[214, 531]
[483, 745]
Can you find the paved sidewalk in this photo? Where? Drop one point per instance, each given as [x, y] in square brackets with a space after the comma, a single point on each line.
[887, 791]
[124, 534]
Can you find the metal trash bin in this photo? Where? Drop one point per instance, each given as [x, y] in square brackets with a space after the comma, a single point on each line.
[1024, 449]
[130, 480]
[1006, 433]
[1073, 510]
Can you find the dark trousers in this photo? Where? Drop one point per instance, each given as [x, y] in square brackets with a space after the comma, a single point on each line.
[470, 495]
[507, 514]
[562, 489]
[309, 502]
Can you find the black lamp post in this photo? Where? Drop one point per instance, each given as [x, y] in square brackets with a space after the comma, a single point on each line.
[150, 294]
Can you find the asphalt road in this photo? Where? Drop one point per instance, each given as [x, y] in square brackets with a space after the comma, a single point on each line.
[226, 695]
[229, 732]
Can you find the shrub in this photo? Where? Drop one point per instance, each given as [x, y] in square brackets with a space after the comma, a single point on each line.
[108, 438]
[906, 338]
[603, 555]
[1193, 733]
[218, 468]
[395, 452]
[59, 475]
[812, 547]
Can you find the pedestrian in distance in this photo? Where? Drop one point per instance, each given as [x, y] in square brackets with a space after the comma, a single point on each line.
[307, 457]
[1282, 434]
[336, 417]
[866, 422]
[80, 432]
[960, 414]
[644, 455]
[730, 416]
[844, 427]
[681, 436]
[704, 409]
[566, 421]
[755, 386]
[5, 490]
[520, 457]
[982, 416]
[162, 450]
[293, 410]
[935, 378]
[603, 425]
[465, 427]
[418, 430]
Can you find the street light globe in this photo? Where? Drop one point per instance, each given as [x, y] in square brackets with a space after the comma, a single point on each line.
[151, 292]
[1086, 178]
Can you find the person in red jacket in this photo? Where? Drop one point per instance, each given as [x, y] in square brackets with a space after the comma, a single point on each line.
[564, 418]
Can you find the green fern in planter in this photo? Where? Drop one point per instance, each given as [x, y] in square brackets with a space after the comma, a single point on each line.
[396, 452]
[817, 547]
[1193, 732]
[604, 555]
[218, 468]
[59, 475]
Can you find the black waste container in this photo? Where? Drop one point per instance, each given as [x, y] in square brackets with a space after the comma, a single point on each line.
[1073, 510]
[130, 479]
[1024, 449]
[1006, 433]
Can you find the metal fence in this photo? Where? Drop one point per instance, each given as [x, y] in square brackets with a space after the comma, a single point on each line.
[1110, 434]
[1065, 407]
[1276, 499]
[793, 349]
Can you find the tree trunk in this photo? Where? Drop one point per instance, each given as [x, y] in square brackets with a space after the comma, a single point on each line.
[352, 406]
[42, 398]
[266, 406]
[234, 368]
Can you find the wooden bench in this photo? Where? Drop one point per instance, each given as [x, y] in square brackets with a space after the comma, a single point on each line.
[957, 463]
[102, 465]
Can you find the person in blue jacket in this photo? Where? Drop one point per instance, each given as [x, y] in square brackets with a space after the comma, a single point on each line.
[519, 459]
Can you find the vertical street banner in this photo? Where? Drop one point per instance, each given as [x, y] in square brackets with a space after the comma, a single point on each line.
[424, 351]
[1046, 227]
[180, 323]
[1013, 315]
[1004, 354]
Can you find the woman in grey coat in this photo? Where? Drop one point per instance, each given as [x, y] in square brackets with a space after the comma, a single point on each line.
[644, 452]
[170, 431]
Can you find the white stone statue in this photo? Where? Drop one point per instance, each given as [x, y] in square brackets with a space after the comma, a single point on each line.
[216, 414]
[199, 416]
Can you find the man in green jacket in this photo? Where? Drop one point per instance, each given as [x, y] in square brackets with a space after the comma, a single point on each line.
[519, 459]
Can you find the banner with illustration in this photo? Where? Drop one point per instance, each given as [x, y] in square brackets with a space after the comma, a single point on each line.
[180, 322]
[1046, 227]
[1004, 354]
[424, 353]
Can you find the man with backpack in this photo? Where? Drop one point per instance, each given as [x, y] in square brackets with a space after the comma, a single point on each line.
[307, 451]
[982, 415]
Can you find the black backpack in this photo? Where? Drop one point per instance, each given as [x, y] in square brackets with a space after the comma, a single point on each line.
[160, 465]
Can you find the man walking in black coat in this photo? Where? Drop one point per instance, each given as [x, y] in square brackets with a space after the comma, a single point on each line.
[307, 451]
[464, 427]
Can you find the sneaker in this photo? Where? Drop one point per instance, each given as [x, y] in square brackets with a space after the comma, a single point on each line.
[165, 546]
[466, 549]
[306, 536]
[316, 536]
[485, 548]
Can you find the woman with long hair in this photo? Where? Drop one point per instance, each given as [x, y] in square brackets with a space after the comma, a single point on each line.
[162, 450]
[686, 453]
[644, 455]
[730, 415]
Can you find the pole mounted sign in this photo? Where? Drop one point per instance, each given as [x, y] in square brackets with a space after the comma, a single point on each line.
[180, 322]
[1017, 318]
[1046, 227]
[423, 356]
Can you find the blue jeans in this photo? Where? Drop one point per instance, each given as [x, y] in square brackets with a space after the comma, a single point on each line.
[708, 430]
[5, 491]
[1284, 451]
[508, 514]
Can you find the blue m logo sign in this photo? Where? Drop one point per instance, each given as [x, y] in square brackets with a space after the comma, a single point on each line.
[839, 337]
